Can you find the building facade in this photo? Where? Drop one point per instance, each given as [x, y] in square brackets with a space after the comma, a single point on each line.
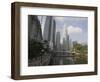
[58, 44]
[34, 28]
[49, 31]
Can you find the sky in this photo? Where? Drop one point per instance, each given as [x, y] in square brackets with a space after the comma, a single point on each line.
[77, 27]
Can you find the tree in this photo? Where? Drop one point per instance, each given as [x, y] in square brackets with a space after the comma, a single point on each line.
[81, 57]
[36, 48]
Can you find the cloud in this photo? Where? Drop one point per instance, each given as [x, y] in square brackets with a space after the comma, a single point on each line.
[74, 30]
[60, 19]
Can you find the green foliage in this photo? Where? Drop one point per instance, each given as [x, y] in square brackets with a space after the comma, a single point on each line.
[80, 48]
[67, 61]
[36, 49]
[81, 61]
[81, 58]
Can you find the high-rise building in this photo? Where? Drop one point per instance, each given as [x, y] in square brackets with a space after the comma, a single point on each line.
[70, 44]
[67, 39]
[58, 45]
[52, 34]
[49, 31]
[64, 44]
[67, 43]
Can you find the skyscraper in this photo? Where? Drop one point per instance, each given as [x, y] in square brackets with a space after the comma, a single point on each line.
[67, 39]
[64, 44]
[58, 46]
[47, 28]
[70, 44]
[49, 31]
[52, 34]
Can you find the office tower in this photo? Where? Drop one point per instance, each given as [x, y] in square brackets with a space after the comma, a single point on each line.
[67, 39]
[49, 31]
[52, 34]
[64, 44]
[58, 46]
[70, 44]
